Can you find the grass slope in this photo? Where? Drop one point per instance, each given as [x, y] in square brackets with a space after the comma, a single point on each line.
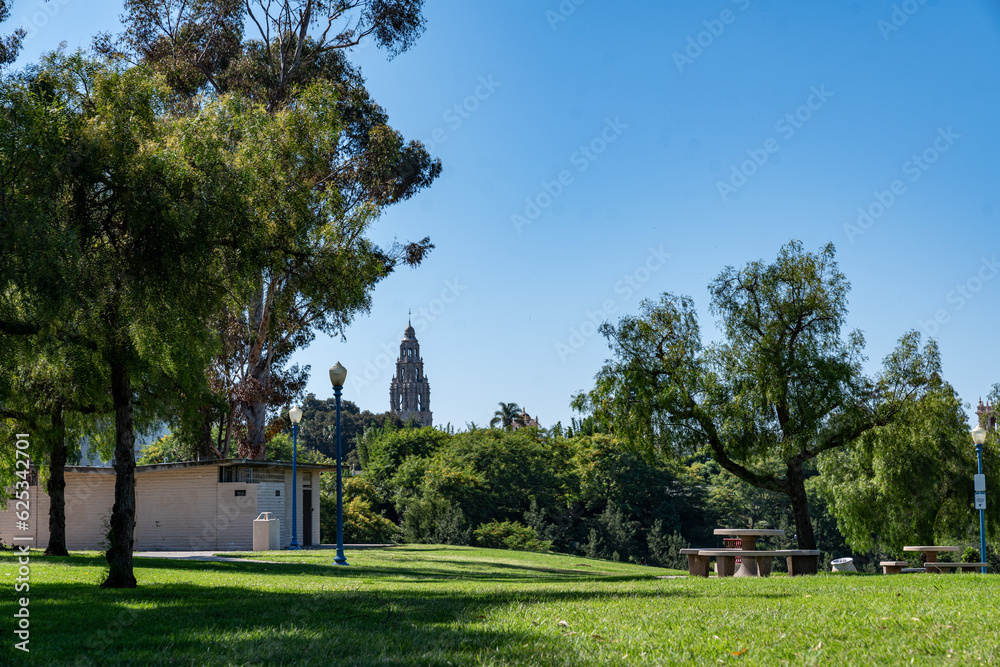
[428, 605]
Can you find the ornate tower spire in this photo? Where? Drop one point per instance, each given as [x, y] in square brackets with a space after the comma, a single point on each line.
[409, 391]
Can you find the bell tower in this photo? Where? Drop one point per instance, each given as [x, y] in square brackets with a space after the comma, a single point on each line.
[409, 391]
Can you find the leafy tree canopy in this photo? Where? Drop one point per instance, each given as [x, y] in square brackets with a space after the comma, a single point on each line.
[910, 482]
[782, 386]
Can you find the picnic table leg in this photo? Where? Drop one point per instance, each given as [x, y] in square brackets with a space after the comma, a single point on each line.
[698, 565]
[724, 565]
[748, 568]
[802, 565]
[763, 566]
[928, 558]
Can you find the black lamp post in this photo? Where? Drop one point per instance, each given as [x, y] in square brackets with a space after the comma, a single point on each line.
[337, 376]
[979, 438]
[295, 415]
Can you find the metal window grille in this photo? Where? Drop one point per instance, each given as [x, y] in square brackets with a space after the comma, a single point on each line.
[252, 475]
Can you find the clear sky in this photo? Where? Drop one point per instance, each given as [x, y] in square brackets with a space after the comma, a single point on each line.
[599, 153]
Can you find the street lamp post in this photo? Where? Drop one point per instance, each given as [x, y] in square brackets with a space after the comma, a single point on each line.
[337, 376]
[295, 415]
[979, 437]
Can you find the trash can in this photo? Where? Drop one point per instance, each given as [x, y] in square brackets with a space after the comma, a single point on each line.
[266, 532]
[843, 565]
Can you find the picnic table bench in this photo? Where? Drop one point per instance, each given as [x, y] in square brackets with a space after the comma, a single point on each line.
[939, 567]
[930, 561]
[754, 563]
[893, 566]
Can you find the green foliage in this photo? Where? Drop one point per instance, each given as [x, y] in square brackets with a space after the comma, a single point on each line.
[509, 535]
[168, 449]
[610, 474]
[783, 386]
[314, 152]
[665, 550]
[562, 490]
[136, 218]
[279, 448]
[909, 482]
[362, 524]
[494, 475]
[318, 428]
[395, 445]
[435, 520]
[10, 44]
[509, 416]
[618, 534]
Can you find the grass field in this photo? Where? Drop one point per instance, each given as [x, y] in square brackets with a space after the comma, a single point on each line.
[426, 605]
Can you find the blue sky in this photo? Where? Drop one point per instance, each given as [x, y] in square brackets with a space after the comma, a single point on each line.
[599, 153]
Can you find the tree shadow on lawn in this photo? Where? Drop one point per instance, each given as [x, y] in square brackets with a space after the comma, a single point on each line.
[193, 624]
[397, 569]
[446, 570]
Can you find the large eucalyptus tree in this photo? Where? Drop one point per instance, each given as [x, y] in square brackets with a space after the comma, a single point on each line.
[271, 53]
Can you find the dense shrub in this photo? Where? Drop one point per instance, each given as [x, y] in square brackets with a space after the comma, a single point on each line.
[665, 550]
[509, 535]
[587, 494]
[362, 524]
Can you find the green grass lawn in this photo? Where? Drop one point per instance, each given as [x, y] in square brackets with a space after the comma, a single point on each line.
[426, 605]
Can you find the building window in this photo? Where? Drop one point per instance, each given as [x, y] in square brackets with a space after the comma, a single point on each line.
[251, 475]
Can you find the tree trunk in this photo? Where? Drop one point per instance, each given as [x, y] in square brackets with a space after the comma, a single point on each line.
[206, 448]
[122, 529]
[258, 373]
[800, 506]
[56, 487]
[256, 444]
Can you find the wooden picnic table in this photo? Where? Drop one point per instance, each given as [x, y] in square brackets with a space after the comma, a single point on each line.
[748, 566]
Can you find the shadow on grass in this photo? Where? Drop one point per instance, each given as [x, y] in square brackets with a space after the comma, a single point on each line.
[426, 570]
[184, 623]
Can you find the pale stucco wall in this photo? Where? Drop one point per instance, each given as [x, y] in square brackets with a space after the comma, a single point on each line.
[178, 509]
[36, 504]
